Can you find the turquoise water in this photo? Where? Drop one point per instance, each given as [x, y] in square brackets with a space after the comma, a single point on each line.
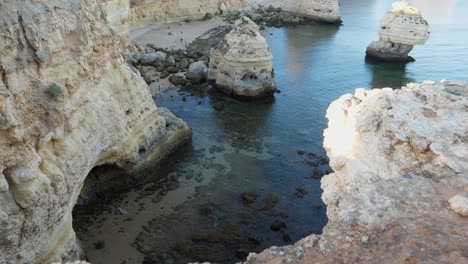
[265, 147]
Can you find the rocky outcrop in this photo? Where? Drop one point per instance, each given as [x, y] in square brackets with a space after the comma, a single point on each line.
[321, 10]
[68, 103]
[399, 157]
[124, 15]
[241, 64]
[400, 30]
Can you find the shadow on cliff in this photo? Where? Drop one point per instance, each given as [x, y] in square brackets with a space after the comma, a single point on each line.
[388, 74]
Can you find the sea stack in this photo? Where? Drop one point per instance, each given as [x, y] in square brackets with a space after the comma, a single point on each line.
[400, 30]
[327, 11]
[241, 64]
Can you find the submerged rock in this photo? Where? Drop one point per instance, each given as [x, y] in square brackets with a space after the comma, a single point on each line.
[241, 64]
[321, 10]
[248, 197]
[400, 30]
[398, 156]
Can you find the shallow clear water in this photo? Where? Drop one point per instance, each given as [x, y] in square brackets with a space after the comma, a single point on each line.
[253, 147]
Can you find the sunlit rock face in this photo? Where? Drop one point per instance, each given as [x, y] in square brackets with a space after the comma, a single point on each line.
[321, 10]
[241, 64]
[124, 15]
[400, 161]
[400, 30]
[68, 103]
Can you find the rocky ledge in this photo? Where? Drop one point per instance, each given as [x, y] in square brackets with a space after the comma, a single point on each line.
[400, 30]
[68, 103]
[401, 175]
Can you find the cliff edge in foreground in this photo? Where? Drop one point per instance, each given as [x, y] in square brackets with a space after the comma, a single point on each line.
[68, 103]
[399, 156]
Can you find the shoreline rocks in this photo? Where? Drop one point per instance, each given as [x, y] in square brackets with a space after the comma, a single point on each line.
[241, 64]
[400, 30]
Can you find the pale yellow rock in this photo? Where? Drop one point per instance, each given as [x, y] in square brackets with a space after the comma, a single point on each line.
[398, 156]
[125, 15]
[400, 30]
[404, 24]
[68, 103]
[241, 64]
[322, 10]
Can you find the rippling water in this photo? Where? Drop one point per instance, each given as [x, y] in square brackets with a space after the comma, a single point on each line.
[258, 147]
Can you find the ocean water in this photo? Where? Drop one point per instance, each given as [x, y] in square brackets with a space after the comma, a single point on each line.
[272, 149]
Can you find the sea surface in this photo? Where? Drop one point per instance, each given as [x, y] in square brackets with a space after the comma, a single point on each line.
[194, 211]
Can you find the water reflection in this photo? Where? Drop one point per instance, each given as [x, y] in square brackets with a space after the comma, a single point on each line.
[303, 38]
[238, 117]
[384, 74]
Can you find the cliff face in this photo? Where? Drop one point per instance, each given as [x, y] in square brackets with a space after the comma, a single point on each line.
[327, 11]
[68, 103]
[124, 15]
[322, 10]
[399, 157]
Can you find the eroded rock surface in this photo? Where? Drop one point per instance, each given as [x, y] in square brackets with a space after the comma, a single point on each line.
[320, 10]
[124, 15]
[400, 30]
[68, 103]
[399, 156]
[241, 64]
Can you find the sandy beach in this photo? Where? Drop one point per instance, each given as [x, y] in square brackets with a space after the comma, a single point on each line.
[174, 35]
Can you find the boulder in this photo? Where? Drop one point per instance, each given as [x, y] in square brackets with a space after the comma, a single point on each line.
[197, 71]
[150, 58]
[459, 204]
[400, 30]
[241, 64]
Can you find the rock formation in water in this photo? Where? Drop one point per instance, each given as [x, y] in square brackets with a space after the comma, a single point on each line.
[321, 10]
[400, 30]
[399, 156]
[241, 64]
[68, 103]
[124, 15]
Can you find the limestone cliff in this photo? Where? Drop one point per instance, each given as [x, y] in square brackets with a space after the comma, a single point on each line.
[241, 64]
[400, 30]
[399, 157]
[327, 11]
[124, 15]
[321, 10]
[68, 103]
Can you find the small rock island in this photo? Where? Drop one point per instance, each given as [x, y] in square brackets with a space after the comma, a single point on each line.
[241, 64]
[400, 30]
